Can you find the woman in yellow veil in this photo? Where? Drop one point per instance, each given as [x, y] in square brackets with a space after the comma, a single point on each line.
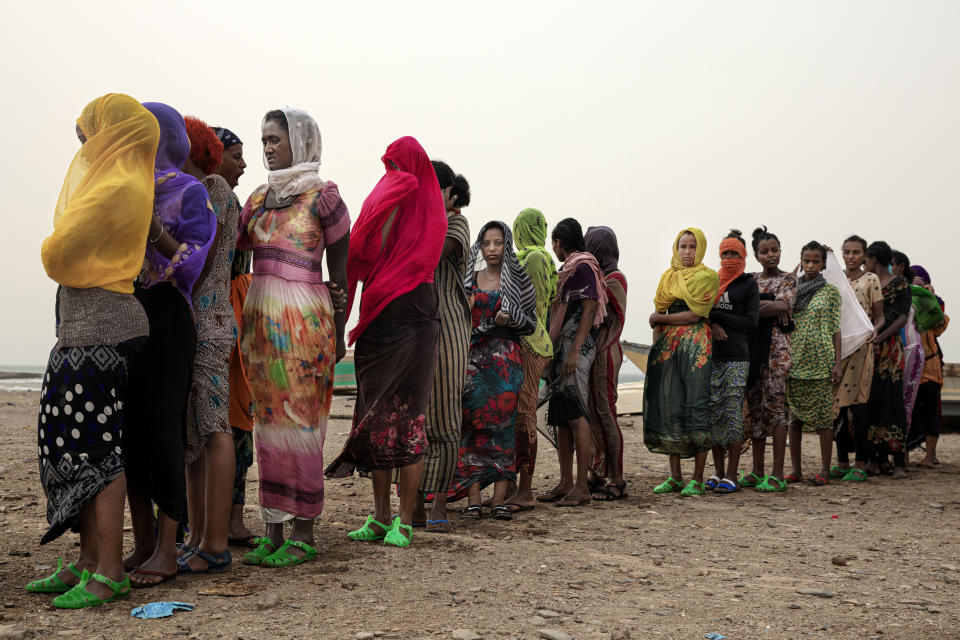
[676, 395]
[94, 253]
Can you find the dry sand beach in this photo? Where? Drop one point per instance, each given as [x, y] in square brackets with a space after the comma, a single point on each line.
[875, 560]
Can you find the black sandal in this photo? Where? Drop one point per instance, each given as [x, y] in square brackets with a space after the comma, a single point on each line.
[473, 511]
[606, 493]
[501, 512]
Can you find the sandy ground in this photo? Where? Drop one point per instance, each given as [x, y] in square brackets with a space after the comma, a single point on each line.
[645, 567]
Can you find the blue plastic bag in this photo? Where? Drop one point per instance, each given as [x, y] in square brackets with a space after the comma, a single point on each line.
[714, 636]
[159, 609]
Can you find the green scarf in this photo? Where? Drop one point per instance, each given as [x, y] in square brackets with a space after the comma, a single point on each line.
[530, 236]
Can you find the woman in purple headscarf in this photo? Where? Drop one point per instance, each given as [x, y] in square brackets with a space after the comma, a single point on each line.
[925, 425]
[181, 233]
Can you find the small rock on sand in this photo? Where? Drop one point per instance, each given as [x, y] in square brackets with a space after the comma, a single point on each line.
[13, 632]
[553, 634]
[819, 593]
[465, 634]
[268, 600]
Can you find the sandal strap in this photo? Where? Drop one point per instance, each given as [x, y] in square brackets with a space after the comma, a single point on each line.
[303, 546]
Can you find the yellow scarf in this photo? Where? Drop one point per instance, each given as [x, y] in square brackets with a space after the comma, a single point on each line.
[697, 286]
[103, 214]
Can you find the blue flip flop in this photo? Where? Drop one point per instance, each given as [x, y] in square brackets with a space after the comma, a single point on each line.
[215, 563]
[446, 522]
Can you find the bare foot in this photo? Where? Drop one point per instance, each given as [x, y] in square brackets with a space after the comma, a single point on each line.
[135, 559]
[237, 530]
[521, 501]
[157, 564]
[925, 463]
[554, 494]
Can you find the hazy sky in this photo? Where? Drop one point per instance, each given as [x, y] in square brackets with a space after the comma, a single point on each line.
[819, 119]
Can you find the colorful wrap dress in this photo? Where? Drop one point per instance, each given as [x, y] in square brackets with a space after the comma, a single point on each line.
[888, 419]
[288, 343]
[809, 389]
[606, 436]
[494, 379]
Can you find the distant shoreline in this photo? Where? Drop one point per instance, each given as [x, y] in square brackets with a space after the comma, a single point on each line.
[19, 375]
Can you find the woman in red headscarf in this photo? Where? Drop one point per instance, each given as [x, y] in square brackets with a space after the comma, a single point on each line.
[395, 248]
[733, 318]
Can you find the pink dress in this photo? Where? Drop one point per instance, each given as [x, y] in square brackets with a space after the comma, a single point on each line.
[288, 343]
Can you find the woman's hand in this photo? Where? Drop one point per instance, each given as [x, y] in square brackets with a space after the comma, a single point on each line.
[501, 318]
[338, 297]
[836, 375]
[570, 363]
[654, 320]
[719, 333]
[341, 349]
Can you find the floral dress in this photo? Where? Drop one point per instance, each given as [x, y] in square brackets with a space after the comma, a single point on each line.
[766, 399]
[676, 392]
[494, 379]
[809, 389]
[888, 419]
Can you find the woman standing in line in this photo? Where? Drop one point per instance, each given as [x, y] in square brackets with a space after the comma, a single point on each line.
[926, 412]
[94, 253]
[292, 334]
[397, 243]
[607, 437]
[575, 317]
[765, 410]
[886, 406]
[210, 457]
[504, 307]
[445, 412]
[676, 393]
[182, 233]
[733, 318]
[530, 236]
[815, 351]
[851, 420]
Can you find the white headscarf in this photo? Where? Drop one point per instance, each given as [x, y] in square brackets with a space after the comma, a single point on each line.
[305, 144]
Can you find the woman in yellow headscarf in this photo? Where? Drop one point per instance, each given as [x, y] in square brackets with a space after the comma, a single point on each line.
[95, 252]
[676, 394]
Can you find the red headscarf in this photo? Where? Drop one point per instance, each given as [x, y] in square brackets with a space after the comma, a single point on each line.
[412, 251]
[731, 268]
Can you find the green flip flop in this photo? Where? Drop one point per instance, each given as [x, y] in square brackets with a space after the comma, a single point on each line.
[772, 484]
[693, 488]
[283, 558]
[264, 548]
[53, 583]
[79, 598]
[366, 533]
[667, 486]
[396, 537]
[836, 472]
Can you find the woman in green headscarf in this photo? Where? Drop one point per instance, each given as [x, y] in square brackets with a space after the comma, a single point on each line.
[530, 236]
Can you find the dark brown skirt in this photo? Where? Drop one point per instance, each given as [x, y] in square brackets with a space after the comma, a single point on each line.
[395, 361]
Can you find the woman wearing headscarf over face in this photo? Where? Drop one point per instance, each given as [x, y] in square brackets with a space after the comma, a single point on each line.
[292, 336]
[396, 247]
[182, 233]
[676, 391]
[925, 426]
[504, 308]
[241, 419]
[94, 253]
[733, 318]
[445, 411]
[210, 456]
[575, 316]
[530, 236]
[607, 482]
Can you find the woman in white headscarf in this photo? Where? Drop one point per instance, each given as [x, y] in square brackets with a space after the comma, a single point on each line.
[291, 334]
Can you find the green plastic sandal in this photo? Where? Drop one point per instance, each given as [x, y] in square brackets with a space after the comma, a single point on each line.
[256, 557]
[283, 558]
[667, 486]
[693, 488]
[836, 472]
[750, 480]
[366, 533]
[79, 598]
[772, 484]
[395, 535]
[53, 584]
[855, 475]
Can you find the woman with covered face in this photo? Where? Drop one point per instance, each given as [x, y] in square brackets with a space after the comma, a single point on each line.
[292, 335]
[676, 393]
[504, 308]
[395, 249]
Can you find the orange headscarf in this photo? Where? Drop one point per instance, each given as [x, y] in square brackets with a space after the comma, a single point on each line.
[731, 268]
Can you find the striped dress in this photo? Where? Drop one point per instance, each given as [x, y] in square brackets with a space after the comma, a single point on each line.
[445, 411]
[607, 438]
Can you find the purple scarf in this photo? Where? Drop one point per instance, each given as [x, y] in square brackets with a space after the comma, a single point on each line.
[602, 243]
[181, 203]
[925, 276]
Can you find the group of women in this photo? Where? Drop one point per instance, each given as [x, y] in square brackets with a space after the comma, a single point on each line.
[185, 321]
[850, 354]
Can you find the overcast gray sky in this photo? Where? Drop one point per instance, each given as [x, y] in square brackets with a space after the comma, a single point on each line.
[817, 118]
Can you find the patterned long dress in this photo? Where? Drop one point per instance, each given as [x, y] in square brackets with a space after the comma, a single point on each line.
[289, 344]
[766, 399]
[676, 392]
[888, 419]
[913, 364]
[854, 388]
[208, 406]
[607, 438]
[494, 379]
[809, 389]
